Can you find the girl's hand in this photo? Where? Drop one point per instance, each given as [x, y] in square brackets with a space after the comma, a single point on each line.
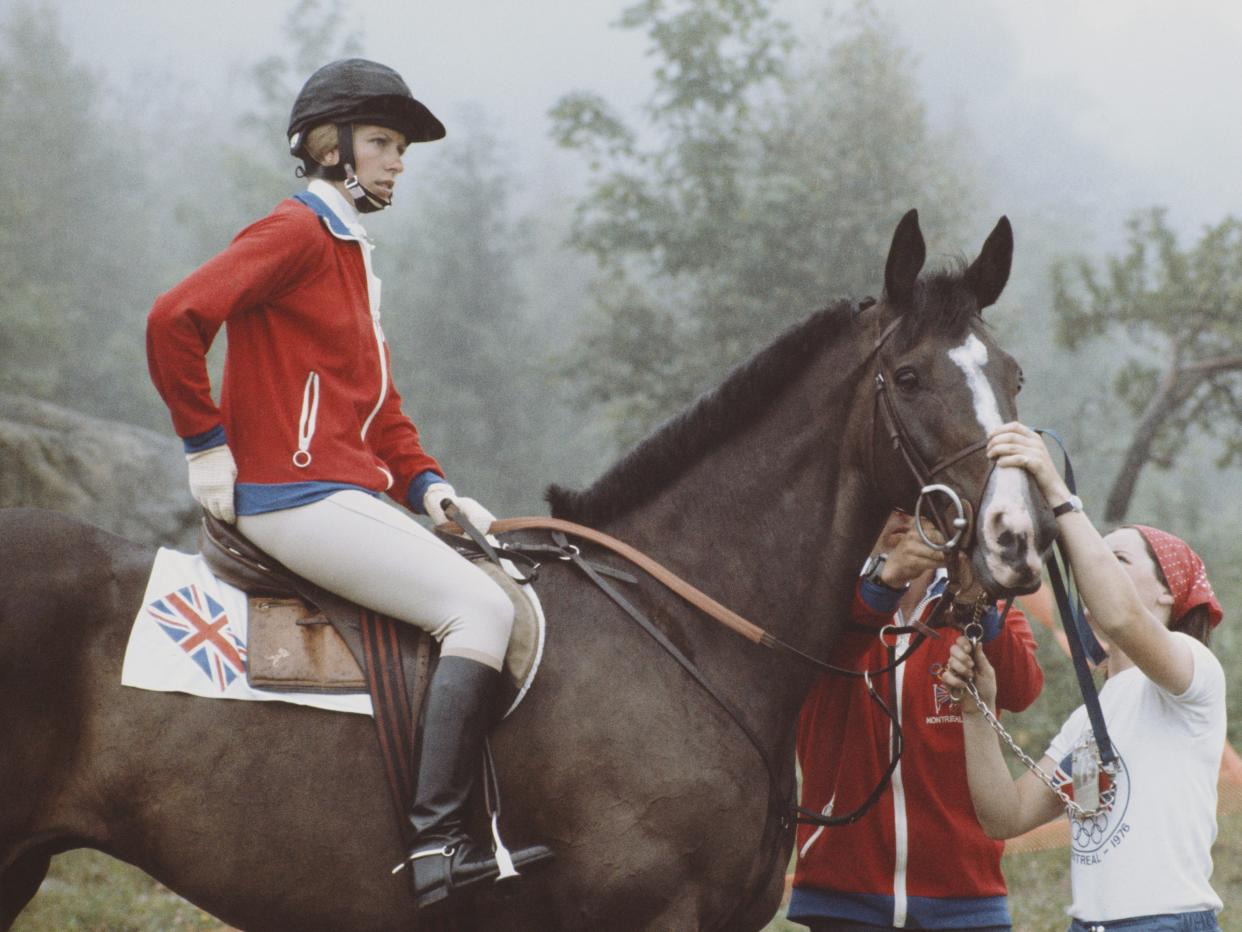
[1016, 445]
[968, 664]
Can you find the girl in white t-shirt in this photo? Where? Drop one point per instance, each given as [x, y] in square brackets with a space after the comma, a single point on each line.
[1141, 855]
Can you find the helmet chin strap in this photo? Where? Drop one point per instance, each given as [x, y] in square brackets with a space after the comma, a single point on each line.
[365, 201]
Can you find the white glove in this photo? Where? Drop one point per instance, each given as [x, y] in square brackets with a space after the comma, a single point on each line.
[212, 474]
[475, 513]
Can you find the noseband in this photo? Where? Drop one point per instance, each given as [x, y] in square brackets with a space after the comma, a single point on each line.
[957, 532]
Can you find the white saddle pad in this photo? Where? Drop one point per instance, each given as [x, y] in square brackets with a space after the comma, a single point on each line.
[190, 637]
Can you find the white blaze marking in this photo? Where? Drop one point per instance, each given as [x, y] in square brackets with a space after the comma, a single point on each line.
[1006, 505]
[971, 357]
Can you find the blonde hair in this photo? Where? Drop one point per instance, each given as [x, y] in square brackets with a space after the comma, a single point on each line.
[321, 140]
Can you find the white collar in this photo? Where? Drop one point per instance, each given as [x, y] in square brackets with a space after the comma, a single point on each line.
[339, 204]
[935, 589]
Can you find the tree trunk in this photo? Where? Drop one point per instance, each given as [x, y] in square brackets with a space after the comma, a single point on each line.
[1174, 389]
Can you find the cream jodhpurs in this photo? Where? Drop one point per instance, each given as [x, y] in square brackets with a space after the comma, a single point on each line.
[377, 555]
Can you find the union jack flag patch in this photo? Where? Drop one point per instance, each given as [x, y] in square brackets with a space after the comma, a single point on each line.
[943, 699]
[200, 627]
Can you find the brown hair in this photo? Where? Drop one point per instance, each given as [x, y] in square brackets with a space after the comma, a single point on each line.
[1197, 623]
[321, 140]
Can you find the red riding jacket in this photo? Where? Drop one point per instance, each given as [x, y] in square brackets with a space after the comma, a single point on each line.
[918, 857]
[307, 402]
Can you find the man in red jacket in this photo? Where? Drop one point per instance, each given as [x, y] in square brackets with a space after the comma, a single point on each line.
[917, 859]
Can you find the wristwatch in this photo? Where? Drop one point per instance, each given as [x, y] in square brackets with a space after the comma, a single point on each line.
[871, 571]
[1073, 503]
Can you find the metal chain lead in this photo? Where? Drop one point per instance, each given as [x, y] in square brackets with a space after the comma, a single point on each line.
[974, 631]
[1077, 811]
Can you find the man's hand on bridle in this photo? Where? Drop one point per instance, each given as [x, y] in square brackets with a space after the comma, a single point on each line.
[908, 556]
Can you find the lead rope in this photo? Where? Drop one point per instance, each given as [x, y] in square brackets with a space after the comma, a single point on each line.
[1078, 811]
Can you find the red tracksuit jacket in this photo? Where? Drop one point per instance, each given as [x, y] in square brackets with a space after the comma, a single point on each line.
[918, 858]
[307, 397]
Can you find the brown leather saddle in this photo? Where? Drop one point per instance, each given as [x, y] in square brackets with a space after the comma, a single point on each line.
[301, 637]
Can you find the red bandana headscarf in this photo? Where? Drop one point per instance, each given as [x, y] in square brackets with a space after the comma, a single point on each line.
[1184, 570]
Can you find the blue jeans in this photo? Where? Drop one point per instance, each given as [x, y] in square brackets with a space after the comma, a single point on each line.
[1204, 921]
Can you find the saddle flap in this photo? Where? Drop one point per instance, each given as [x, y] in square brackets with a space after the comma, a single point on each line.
[294, 647]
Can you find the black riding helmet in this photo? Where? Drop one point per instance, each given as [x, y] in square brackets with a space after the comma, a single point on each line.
[355, 90]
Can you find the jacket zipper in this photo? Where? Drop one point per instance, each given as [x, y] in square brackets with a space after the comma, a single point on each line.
[307, 420]
[901, 830]
[901, 823]
[373, 302]
[826, 811]
[379, 346]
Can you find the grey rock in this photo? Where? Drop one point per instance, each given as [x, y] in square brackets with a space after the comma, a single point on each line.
[126, 479]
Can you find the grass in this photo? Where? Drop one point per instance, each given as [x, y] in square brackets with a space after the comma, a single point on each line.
[91, 892]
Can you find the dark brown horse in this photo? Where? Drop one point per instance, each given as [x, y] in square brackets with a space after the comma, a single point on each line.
[662, 813]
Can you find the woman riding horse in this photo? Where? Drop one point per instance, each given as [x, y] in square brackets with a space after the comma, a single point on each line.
[310, 433]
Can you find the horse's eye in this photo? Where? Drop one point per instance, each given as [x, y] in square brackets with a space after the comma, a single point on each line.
[907, 379]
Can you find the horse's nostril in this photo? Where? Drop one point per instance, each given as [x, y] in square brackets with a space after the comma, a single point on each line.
[1021, 544]
[1006, 539]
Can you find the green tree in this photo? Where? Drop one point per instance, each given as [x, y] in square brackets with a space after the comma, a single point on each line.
[74, 242]
[771, 187]
[468, 350]
[1178, 314]
[257, 171]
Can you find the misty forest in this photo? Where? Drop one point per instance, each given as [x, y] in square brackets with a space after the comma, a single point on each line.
[540, 327]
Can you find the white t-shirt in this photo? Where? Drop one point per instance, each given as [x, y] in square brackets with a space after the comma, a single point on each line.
[1151, 852]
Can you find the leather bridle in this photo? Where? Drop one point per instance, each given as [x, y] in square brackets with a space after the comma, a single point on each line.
[956, 533]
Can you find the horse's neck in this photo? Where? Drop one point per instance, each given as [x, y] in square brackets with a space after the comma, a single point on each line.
[772, 524]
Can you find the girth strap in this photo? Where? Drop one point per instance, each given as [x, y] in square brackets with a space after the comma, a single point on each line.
[396, 705]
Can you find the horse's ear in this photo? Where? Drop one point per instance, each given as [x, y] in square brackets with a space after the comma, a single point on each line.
[988, 274]
[905, 259]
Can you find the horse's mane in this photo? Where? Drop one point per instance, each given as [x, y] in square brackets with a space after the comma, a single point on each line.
[718, 414]
[943, 304]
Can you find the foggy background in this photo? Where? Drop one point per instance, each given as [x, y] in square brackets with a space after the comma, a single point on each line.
[1123, 103]
[601, 235]
[605, 231]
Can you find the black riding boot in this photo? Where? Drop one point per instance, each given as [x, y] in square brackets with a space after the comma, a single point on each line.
[444, 857]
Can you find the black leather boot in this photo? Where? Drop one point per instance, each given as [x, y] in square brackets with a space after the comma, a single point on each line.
[444, 857]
